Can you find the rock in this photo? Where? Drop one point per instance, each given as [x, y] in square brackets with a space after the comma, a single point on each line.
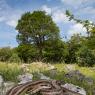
[25, 78]
[42, 76]
[74, 88]
[75, 74]
[1, 84]
[7, 86]
[53, 72]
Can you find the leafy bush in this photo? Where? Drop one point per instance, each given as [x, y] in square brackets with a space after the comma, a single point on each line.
[27, 53]
[56, 51]
[5, 53]
[85, 57]
[14, 58]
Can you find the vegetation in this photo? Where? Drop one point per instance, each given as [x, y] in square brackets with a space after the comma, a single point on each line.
[39, 40]
[37, 30]
[10, 73]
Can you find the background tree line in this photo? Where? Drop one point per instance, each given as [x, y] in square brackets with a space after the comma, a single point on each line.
[39, 40]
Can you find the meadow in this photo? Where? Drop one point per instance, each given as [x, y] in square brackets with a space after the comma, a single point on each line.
[10, 71]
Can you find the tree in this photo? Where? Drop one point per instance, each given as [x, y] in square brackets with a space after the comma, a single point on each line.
[74, 44]
[56, 51]
[86, 23]
[27, 52]
[90, 27]
[36, 28]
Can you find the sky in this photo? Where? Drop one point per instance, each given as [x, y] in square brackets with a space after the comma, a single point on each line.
[12, 10]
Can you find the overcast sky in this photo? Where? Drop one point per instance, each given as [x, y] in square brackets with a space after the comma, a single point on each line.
[11, 11]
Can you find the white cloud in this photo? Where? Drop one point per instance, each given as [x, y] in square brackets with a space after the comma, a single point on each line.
[60, 17]
[74, 2]
[77, 29]
[46, 9]
[12, 23]
[9, 15]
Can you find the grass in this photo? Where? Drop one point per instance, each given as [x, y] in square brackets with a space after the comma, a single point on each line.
[11, 71]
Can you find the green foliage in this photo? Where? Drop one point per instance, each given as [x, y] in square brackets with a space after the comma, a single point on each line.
[15, 58]
[85, 57]
[55, 51]
[36, 28]
[27, 53]
[5, 53]
[74, 45]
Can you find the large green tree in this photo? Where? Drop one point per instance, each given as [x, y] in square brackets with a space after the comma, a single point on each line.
[36, 28]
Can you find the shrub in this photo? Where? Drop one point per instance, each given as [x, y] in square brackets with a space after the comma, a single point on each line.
[5, 53]
[14, 58]
[85, 57]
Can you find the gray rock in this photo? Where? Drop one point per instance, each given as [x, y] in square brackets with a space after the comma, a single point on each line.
[53, 72]
[1, 84]
[25, 78]
[42, 76]
[75, 74]
[74, 88]
[7, 86]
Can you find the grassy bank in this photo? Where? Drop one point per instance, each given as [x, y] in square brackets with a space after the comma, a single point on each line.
[10, 71]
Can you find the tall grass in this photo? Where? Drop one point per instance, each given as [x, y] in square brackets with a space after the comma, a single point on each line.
[9, 71]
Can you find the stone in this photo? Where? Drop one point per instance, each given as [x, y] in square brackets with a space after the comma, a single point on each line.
[74, 88]
[53, 72]
[42, 76]
[1, 84]
[75, 74]
[25, 78]
[7, 86]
